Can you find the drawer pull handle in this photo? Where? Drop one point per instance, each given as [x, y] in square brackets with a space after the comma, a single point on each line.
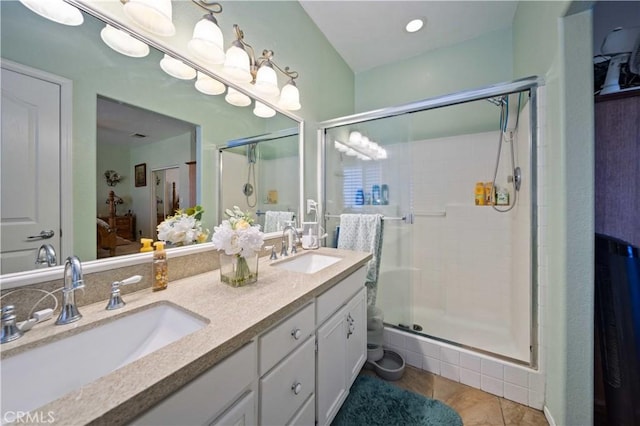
[296, 388]
[296, 333]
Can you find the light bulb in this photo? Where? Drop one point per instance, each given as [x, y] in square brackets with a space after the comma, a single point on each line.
[176, 68]
[290, 97]
[154, 16]
[123, 43]
[267, 81]
[55, 10]
[236, 98]
[207, 41]
[263, 111]
[236, 65]
[208, 85]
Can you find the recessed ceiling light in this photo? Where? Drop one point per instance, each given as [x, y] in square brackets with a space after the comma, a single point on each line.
[414, 25]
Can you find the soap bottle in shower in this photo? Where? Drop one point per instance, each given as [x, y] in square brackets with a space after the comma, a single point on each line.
[502, 196]
[160, 279]
[479, 194]
[375, 194]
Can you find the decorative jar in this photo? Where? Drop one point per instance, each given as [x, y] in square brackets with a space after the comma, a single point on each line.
[237, 270]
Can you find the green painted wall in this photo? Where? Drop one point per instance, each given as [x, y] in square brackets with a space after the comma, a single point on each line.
[475, 63]
[326, 86]
[559, 49]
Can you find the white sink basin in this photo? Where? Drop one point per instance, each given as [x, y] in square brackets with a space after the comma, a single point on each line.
[45, 373]
[307, 263]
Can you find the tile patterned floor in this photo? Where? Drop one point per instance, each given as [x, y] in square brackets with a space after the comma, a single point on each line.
[475, 407]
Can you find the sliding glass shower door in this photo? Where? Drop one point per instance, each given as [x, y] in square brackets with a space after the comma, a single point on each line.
[456, 261]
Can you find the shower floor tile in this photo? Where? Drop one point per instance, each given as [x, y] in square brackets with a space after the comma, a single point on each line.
[474, 406]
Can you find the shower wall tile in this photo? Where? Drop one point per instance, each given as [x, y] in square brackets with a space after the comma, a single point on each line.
[516, 376]
[450, 356]
[492, 369]
[470, 362]
[491, 385]
[414, 359]
[536, 400]
[536, 382]
[393, 338]
[431, 365]
[516, 393]
[470, 378]
[450, 371]
[517, 383]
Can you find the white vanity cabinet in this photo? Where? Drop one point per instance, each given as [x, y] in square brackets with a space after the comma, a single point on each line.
[294, 373]
[287, 369]
[225, 394]
[341, 343]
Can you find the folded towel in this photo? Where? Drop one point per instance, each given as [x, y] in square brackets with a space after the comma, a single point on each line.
[275, 220]
[363, 232]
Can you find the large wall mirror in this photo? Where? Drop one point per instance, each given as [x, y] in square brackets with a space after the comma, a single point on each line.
[141, 143]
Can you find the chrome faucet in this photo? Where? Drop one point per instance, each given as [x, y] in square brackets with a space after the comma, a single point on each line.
[289, 227]
[72, 282]
[10, 330]
[46, 256]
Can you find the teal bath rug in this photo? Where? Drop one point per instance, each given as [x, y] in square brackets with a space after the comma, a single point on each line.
[374, 402]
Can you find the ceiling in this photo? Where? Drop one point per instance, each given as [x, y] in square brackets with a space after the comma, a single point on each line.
[123, 124]
[368, 34]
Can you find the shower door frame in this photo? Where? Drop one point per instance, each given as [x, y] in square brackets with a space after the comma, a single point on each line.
[529, 83]
[279, 134]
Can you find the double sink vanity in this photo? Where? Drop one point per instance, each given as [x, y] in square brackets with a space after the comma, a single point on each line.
[284, 350]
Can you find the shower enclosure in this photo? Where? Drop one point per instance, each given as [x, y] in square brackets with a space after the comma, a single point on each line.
[457, 263]
[261, 174]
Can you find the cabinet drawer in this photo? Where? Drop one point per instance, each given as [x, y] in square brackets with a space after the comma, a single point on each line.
[286, 336]
[331, 300]
[307, 414]
[296, 373]
[204, 398]
[242, 413]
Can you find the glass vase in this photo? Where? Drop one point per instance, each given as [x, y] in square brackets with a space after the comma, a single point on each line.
[238, 271]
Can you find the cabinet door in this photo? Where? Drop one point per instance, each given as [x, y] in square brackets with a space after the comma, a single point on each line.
[356, 322]
[331, 382]
[242, 413]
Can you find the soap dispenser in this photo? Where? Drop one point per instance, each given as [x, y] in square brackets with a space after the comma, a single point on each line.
[160, 270]
[146, 245]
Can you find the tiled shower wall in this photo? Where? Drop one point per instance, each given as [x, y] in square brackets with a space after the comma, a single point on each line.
[276, 174]
[525, 385]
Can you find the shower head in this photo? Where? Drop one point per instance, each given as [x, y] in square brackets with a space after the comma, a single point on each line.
[252, 153]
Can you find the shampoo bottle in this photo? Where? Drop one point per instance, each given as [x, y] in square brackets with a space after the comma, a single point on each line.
[160, 273]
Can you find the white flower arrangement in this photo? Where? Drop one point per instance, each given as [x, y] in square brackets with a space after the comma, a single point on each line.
[184, 227]
[238, 235]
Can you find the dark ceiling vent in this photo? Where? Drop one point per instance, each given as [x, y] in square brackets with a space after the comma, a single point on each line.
[138, 135]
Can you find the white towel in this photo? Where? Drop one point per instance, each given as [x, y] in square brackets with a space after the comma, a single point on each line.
[363, 232]
[275, 220]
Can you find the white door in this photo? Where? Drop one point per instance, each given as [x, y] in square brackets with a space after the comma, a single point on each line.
[30, 155]
[356, 334]
[331, 383]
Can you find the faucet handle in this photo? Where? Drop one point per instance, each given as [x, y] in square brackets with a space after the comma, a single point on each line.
[115, 301]
[10, 330]
[273, 255]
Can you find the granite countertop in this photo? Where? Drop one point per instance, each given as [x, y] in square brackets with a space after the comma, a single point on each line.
[234, 316]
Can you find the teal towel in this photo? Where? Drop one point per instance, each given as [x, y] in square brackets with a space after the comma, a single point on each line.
[363, 232]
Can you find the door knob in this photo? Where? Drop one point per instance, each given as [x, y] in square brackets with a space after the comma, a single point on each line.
[42, 236]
